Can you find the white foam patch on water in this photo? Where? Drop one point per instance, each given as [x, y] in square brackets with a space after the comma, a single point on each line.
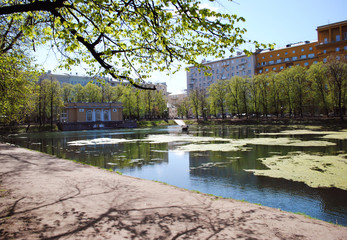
[167, 138]
[98, 141]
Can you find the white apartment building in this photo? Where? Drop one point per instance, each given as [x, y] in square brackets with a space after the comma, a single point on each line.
[76, 79]
[84, 80]
[240, 65]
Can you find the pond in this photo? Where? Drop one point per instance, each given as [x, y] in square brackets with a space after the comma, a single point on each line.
[293, 168]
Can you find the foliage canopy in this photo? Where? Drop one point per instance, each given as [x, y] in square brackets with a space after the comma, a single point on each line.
[127, 39]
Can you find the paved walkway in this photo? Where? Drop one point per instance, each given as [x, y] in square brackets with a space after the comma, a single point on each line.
[44, 197]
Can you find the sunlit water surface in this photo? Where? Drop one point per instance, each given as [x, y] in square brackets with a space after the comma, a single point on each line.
[214, 172]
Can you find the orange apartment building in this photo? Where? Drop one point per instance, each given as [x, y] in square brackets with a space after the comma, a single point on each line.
[332, 41]
[301, 54]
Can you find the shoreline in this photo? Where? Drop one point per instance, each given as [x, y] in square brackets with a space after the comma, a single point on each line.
[320, 121]
[43, 196]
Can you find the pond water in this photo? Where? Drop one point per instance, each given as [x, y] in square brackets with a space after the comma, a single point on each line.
[209, 159]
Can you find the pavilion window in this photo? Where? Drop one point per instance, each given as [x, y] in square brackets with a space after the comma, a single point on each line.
[97, 115]
[89, 115]
[106, 115]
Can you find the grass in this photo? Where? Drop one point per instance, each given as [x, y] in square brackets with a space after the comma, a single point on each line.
[153, 123]
[162, 182]
[33, 128]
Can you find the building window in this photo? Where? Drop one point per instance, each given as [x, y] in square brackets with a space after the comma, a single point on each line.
[89, 115]
[338, 38]
[271, 56]
[325, 40]
[286, 53]
[306, 64]
[286, 59]
[278, 61]
[281, 67]
[293, 51]
[311, 55]
[345, 47]
[337, 49]
[311, 49]
[81, 110]
[278, 54]
[338, 58]
[260, 71]
[303, 57]
[271, 62]
[295, 58]
[302, 49]
[106, 115]
[97, 115]
[266, 70]
[263, 57]
[274, 69]
[315, 62]
[325, 51]
[324, 60]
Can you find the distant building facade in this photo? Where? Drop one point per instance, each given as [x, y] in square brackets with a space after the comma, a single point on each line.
[299, 54]
[240, 65]
[332, 40]
[174, 100]
[92, 112]
[84, 80]
[76, 79]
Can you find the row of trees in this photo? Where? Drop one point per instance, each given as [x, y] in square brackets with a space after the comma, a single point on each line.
[43, 101]
[294, 92]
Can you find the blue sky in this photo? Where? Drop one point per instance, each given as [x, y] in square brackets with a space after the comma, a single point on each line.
[267, 21]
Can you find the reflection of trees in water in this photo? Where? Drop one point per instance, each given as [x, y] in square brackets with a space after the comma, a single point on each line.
[140, 153]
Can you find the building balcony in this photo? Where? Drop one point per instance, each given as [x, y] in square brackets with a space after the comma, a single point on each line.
[331, 43]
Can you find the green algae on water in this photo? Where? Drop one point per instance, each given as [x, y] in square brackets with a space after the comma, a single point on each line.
[313, 170]
[341, 135]
[241, 144]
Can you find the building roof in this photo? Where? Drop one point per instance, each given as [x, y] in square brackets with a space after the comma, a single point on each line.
[302, 43]
[332, 25]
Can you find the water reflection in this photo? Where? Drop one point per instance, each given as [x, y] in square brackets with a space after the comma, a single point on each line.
[217, 172]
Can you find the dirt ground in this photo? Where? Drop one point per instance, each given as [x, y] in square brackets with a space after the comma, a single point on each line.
[44, 197]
